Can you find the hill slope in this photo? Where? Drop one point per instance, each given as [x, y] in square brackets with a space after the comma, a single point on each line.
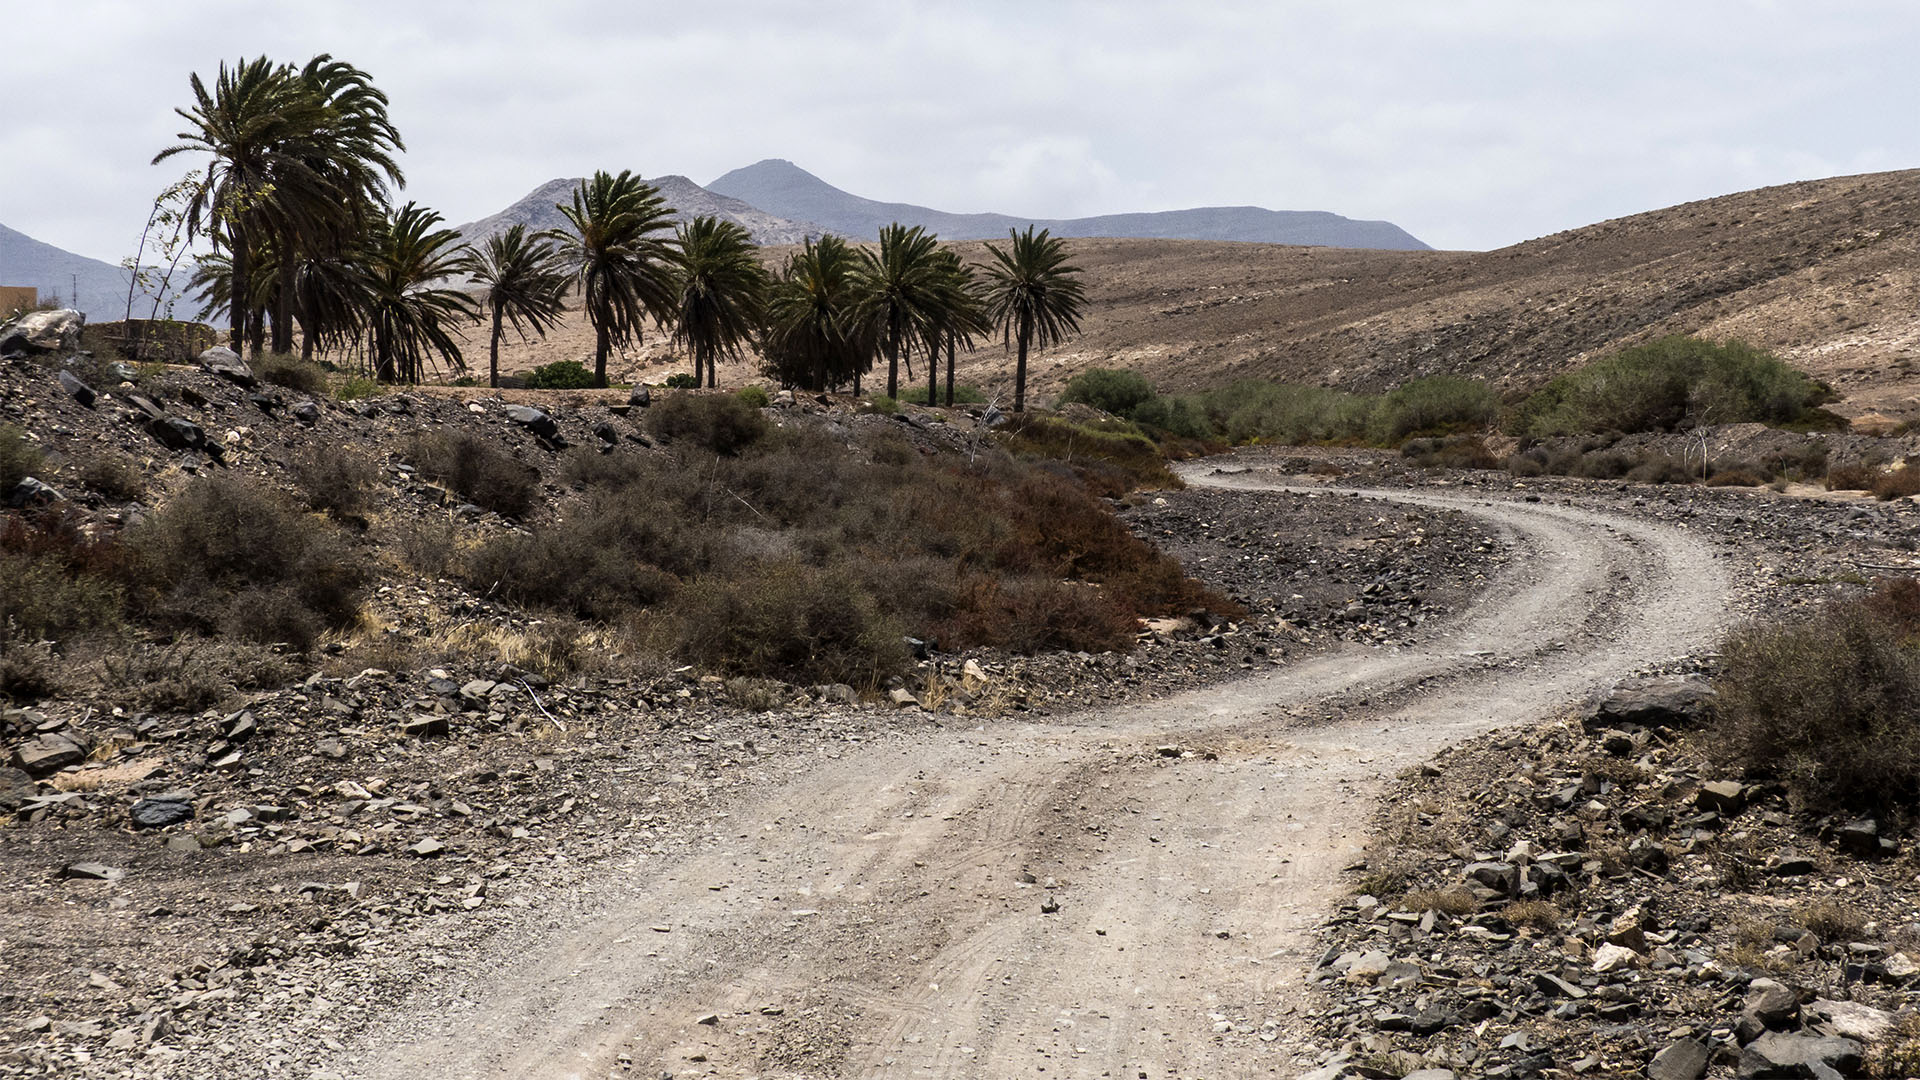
[536, 211]
[781, 187]
[53, 271]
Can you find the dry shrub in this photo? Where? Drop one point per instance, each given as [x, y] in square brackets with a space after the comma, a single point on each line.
[29, 670]
[1453, 452]
[115, 476]
[791, 622]
[185, 676]
[19, 458]
[336, 480]
[427, 546]
[1660, 469]
[1734, 477]
[481, 472]
[1898, 1055]
[227, 555]
[1455, 902]
[58, 577]
[1539, 914]
[1111, 458]
[282, 369]
[1831, 705]
[1833, 920]
[722, 424]
[1852, 476]
[1033, 614]
[1897, 483]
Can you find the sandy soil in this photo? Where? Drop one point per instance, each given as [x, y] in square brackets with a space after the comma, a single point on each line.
[1128, 892]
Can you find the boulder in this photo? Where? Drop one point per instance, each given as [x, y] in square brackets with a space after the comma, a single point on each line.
[1862, 839]
[176, 433]
[306, 412]
[32, 492]
[92, 871]
[1724, 797]
[158, 813]
[1775, 1006]
[227, 364]
[1667, 701]
[534, 420]
[1503, 878]
[639, 398]
[43, 332]
[1610, 957]
[1851, 1020]
[1779, 1054]
[1684, 1060]
[77, 390]
[16, 788]
[48, 753]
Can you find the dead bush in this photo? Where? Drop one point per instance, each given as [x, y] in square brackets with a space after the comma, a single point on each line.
[479, 471]
[1830, 705]
[1660, 469]
[336, 480]
[1734, 477]
[228, 555]
[1455, 902]
[1540, 914]
[1453, 452]
[282, 369]
[428, 546]
[1851, 476]
[1835, 921]
[116, 477]
[1032, 614]
[19, 458]
[29, 670]
[1897, 483]
[184, 676]
[720, 423]
[791, 622]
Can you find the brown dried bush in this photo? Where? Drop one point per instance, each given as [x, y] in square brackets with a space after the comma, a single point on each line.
[475, 468]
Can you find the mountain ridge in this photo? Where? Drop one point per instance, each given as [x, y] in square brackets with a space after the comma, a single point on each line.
[780, 187]
[537, 210]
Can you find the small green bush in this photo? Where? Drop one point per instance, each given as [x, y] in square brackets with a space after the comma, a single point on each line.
[355, 387]
[1830, 705]
[883, 404]
[1668, 384]
[228, 556]
[682, 380]
[1110, 390]
[481, 472]
[560, 375]
[963, 394]
[723, 424]
[283, 369]
[755, 396]
[1181, 416]
[1436, 405]
[19, 458]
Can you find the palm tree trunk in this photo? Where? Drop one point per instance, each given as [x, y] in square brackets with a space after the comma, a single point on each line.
[893, 367]
[283, 307]
[257, 331]
[949, 371]
[704, 355]
[237, 292]
[599, 355]
[493, 350]
[933, 374]
[1020, 368]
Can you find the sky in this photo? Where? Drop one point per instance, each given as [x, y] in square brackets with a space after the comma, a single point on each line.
[1469, 123]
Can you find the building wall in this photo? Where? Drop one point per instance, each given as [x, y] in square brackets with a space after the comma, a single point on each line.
[17, 298]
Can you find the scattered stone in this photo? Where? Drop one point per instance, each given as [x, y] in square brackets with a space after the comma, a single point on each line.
[33, 492]
[227, 364]
[1780, 1054]
[1668, 701]
[92, 871]
[534, 420]
[306, 412]
[1683, 1060]
[77, 390]
[16, 787]
[1851, 1020]
[1722, 797]
[427, 848]
[639, 398]
[177, 433]
[48, 753]
[43, 332]
[158, 813]
[903, 698]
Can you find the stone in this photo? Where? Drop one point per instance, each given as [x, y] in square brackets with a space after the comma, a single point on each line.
[1683, 1060]
[427, 849]
[534, 420]
[1789, 863]
[1503, 878]
[1775, 1006]
[1369, 967]
[1851, 1020]
[227, 364]
[478, 689]
[77, 390]
[1555, 986]
[33, 492]
[1862, 839]
[16, 787]
[1429, 1074]
[1667, 701]
[1610, 957]
[639, 398]
[903, 698]
[424, 726]
[783, 399]
[158, 813]
[306, 412]
[1721, 797]
[177, 433]
[606, 433]
[92, 871]
[1779, 1054]
[1630, 930]
[240, 726]
[48, 753]
[43, 332]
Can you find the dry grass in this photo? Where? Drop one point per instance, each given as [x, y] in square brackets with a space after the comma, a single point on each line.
[1541, 915]
[1455, 902]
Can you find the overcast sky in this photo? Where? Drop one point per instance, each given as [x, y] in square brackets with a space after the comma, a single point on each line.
[1470, 123]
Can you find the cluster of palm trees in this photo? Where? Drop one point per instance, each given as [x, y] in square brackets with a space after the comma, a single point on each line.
[296, 202]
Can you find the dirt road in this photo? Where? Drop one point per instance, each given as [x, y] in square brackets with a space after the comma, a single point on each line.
[887, 912]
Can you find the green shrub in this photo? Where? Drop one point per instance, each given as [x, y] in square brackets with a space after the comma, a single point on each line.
[963, 394]
[226, 555]
[43, 600]
[282, 369]
[723, 424]
[1110, 390]
[1111, 458]
[1831, 705]
[755, 396]
[355, 387]
[682, 381]
[883, 404]
[1181, 416]
[790, 622]
[559, 375]
[19, 458]
[1456, 452]
[481, 472]
[1434, 405]
[1668, 384]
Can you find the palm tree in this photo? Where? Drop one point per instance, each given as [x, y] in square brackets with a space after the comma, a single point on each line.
[1033, 296]
[961, 315]
[409, 319]
[900, 283]
[526, 284]
[625, 271]
[721, 290]
[814, 336]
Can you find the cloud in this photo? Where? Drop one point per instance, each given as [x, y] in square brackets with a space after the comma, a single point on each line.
[1472, 124]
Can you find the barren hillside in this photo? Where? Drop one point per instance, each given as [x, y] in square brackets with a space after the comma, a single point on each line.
[1822, 271]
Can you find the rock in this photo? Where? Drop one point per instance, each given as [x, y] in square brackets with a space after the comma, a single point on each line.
[973, 671]
[1555, 986]
[1779, 1054]
[1429, 1074]
[1789, 863]
[158, 813]
[92, 871]
[1721, 797]
[1630, 930]
[1773, 1005]
[176, 433]
[227, 364]
[1684, 1060]
[606, 433]
[424, 726]
[427, 849]
[48, 753]
[33, 492]
[903, 698]
[534, 420]
[77, 390]
[1610, 957]
[1667, 701]
[1851, 1020]
[1503, 878]
[783, 399]
[43, 332]
[240, 726]
[1862, 839]
[16, 787]
[639, 398]
[1369, 967]
[306, 412]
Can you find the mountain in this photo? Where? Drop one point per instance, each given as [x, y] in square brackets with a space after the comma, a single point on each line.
[102, 286]
[536, 210]
[781, 187]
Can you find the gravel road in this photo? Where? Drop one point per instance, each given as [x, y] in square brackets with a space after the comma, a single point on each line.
[1125, 893]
